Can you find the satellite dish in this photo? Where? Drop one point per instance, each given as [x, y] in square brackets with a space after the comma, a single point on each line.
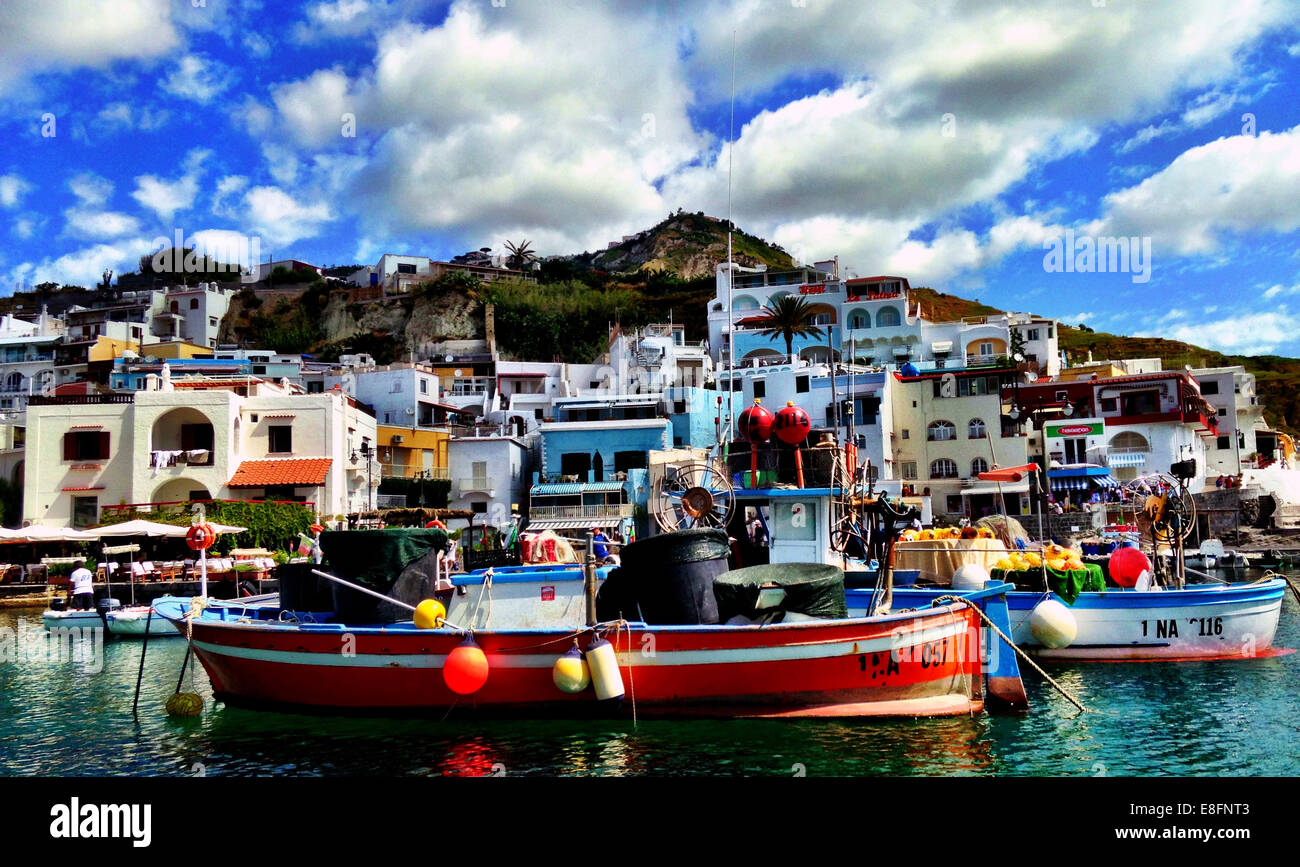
[455, 372]
[1030, 376]
[450, 359]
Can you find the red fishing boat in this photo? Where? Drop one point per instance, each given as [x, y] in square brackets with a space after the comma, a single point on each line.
[927, 662]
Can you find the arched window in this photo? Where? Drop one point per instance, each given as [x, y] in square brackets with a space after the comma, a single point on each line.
[975, 430]
[944, 468]
[977, 466]
[888, 317]
[859, 318]
[941, 430]
[176, 306]
[194, 304]
[14, 382]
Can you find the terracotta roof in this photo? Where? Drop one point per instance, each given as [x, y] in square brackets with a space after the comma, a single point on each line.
[280, 471]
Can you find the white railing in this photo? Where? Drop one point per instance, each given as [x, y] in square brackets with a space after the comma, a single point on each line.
[476, 483]
[623, 510]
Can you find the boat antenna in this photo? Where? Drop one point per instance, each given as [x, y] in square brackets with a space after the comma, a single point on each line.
[731, 268]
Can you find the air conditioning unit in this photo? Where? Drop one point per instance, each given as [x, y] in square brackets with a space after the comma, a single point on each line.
[398, 439]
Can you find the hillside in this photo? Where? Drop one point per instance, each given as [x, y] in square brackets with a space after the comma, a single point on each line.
[666, 271]
[687, 245]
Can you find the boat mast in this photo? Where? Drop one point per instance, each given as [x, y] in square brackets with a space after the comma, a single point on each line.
[731, 267]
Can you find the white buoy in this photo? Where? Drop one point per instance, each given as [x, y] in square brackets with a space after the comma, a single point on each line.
[602, 662]
[971, 576]
[1053, 624]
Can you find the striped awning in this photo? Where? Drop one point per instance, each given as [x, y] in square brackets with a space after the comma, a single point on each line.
[1127, 459]
[571, 524]
[562, 488]
[1081, 483]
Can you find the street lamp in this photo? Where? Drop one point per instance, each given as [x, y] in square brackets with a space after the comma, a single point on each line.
[364, 453]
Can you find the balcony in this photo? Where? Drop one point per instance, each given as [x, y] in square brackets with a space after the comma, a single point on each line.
[413, 471]
[620, 510]
[475, 485]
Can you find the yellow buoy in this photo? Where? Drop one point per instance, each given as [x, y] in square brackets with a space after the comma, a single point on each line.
[603, 664]
[185, 704]
[429, 614]
[570, 672]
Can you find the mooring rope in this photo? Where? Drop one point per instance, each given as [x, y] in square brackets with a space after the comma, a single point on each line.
[943, 600]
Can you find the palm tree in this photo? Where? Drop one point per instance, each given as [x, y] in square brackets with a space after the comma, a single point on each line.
[520, 255]
[789, 317]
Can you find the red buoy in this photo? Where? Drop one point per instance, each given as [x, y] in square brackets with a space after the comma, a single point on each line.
[465, 669]
[792, 426]
[756, 424]
[1127, 565]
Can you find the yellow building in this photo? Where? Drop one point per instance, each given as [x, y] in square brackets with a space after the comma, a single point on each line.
[174, 349]
[405, 452]
[947, 429]
[108, 349]
[1098, 370]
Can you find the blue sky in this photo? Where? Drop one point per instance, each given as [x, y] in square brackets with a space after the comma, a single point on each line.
[945, 141]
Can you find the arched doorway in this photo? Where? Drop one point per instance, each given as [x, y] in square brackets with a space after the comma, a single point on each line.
[183, 430]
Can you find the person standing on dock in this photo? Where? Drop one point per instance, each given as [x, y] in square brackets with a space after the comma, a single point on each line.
[83, 586]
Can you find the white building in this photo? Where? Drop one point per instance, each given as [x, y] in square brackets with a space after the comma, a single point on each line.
[192, 314]
[202, 439]
[489, 475]
[1231, 391]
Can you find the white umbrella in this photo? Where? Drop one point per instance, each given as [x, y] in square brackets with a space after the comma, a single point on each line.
[41, 533]
[141, 527]
[138, 527]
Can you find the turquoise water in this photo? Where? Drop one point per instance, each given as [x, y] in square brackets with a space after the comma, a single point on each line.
[1223, 718]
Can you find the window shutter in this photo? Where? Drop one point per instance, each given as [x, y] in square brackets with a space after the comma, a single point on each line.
[102, 436]
[69, 446]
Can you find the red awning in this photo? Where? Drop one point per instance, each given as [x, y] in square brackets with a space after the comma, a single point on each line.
[1009, 474]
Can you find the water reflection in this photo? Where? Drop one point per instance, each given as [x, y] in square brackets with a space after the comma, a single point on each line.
[1213, 718]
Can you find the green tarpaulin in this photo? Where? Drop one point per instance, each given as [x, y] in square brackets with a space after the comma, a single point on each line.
[1067, 584]
[810, 588]
[375, 558]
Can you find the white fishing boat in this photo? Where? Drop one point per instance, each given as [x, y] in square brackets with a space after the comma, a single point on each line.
[132, 622]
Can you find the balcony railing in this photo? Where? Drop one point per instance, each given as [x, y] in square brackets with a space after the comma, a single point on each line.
[413, 471]
[475, 483]
[621, 510]
[78, 399]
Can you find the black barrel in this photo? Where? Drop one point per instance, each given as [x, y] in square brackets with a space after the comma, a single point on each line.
[672, 575]
[302, 590]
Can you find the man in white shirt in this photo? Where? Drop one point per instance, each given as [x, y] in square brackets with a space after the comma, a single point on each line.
[83, 589]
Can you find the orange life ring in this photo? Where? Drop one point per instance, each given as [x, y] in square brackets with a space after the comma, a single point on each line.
[200, 537]
[435, 524]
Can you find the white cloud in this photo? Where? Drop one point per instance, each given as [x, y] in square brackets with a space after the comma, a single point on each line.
[12, 190]
[1231, 185]
[1278, 289]
[280, 219]
[1246, 334]
[281, 162]
[83, 267]
[61, 35]
[165, 198]
[91, 190]
[98, 225]
[230, 185]
[256, 44]
[492, 123]
[198, 78]
[122, 116]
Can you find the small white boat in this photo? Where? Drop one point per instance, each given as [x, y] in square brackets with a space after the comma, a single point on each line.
[72, 619]
[131, 622]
